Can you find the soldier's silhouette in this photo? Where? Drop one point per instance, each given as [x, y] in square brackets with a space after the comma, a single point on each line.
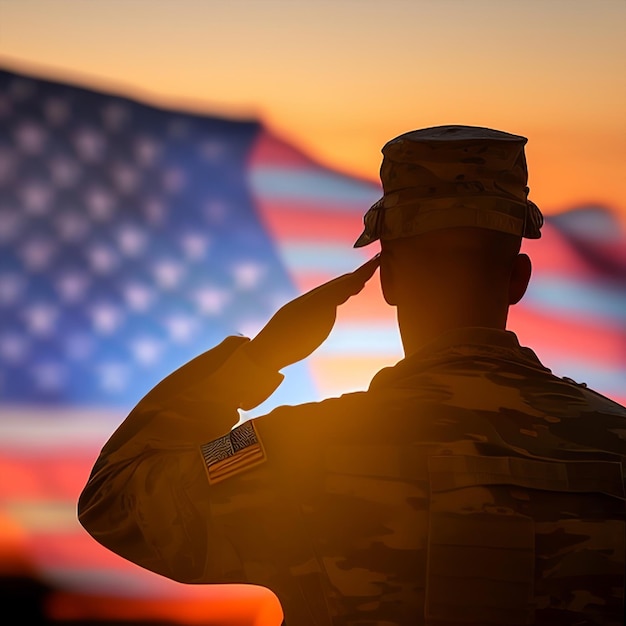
[467, 485]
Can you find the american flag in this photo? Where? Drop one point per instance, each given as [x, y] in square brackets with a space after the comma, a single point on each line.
[131, 243]
[133, 238]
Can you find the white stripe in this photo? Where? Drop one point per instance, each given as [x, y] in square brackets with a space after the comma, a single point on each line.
[34, 427]
[48, 516]
[363, 339]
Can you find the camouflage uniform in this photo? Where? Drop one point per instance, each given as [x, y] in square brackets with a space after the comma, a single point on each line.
[467, 485]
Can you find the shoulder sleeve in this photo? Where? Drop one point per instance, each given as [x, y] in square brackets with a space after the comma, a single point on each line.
[147, 496]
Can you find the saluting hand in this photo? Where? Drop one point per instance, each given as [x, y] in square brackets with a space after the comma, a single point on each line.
[302, 325]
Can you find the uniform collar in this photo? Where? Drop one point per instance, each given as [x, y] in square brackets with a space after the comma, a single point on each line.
[470, 336]
[459, 343]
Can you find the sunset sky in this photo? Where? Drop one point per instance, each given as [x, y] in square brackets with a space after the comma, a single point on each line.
[335, 79]
[339, 78]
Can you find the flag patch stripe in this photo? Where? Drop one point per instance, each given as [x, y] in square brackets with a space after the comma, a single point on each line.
[238, 451]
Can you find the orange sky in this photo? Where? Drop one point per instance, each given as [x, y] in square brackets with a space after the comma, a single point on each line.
[339, 78]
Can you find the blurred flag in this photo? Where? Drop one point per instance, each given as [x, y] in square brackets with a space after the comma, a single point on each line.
[574, 313]
[131, 243]
[133, 238]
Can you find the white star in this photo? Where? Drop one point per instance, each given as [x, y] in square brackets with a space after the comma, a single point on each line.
[90, 144]
[37, 252]
[10, 224]
[105, 318]
[194, 245]
[100, 203]
[102, 259]
[11, 287]
[65, 172]
[138, 297]
[35, 197]
[211, 300]
[22, 88]
[177, 128]
[8, 164]
[168, 273]
[154, 211]
[125, 177]
[213, 150]
[181, 327]
[5, 106]
[31, 138]
[72, 286]
[146, 350]
[247, 274]
[49, 376]
[115, 115]
[40, 319]
[72, 226]
[131, 240]
[174, 179]
[147, 150]
[113, 376]
[57, 111]
[13, 348]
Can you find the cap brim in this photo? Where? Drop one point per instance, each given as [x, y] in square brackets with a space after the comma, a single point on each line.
[363, 240]
[534, 221]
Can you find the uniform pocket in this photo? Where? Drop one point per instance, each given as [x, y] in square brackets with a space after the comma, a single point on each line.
[482, 546]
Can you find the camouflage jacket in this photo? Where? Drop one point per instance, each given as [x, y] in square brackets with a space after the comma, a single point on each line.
[467, 485]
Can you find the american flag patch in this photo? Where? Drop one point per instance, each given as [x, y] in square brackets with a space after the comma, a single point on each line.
[236, 452]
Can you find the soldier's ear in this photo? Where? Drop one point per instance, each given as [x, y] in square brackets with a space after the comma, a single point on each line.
[520, 277]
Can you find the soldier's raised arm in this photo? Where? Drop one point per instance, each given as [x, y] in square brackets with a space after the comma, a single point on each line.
[146, 497]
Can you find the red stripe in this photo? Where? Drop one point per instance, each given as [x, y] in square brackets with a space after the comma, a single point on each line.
[46, 477]
[74, 550]
[221, 474]
[227, 605]
[555, 254]
[600, 344]
[238, 461]
[270, 150]
[305, 221]
[369, 305]
[250, 450]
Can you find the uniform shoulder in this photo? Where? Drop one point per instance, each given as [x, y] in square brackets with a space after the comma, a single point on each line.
[596, 400]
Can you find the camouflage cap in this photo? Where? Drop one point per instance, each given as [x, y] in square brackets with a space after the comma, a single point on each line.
[452, 176]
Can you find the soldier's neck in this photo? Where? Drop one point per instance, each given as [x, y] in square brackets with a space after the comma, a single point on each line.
[419, 327]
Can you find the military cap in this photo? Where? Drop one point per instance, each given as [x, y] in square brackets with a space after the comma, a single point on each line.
[452, 176]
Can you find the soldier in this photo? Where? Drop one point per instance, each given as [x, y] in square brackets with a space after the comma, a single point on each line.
[467, 485]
